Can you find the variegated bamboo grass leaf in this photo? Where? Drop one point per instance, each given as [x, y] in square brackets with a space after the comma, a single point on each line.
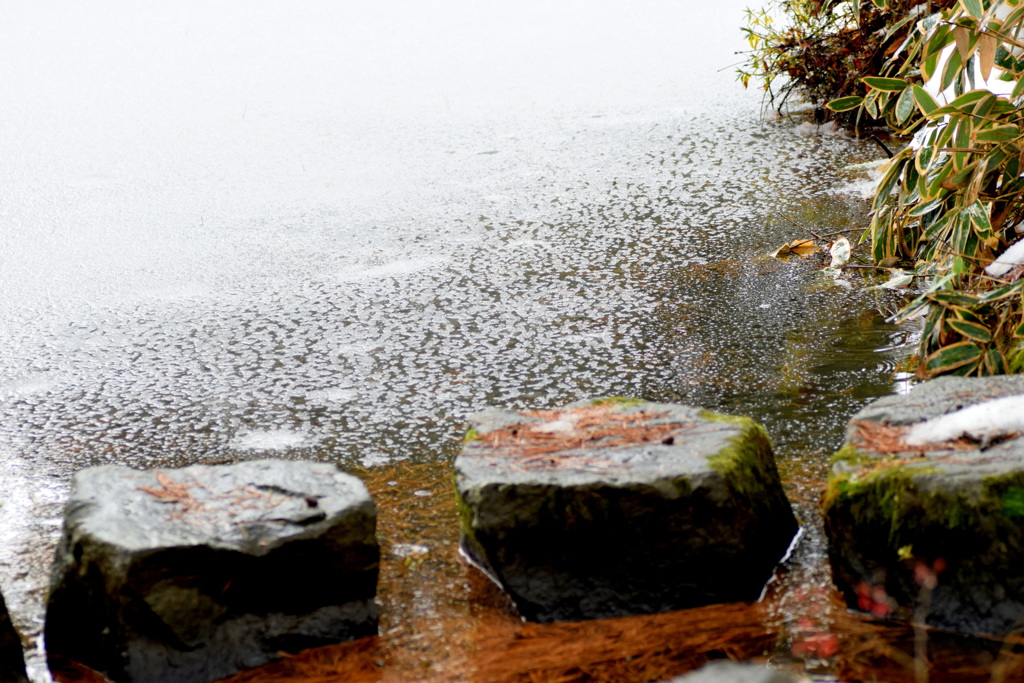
[954, 199]
[973, 8]
[885, 84]
[971, 330]
[995, 363]
[925, 102]
[845, 103]
[951, 358]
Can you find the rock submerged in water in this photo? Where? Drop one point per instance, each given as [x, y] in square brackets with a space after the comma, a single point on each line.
[613, 507]
[924, 507]
[193, 574]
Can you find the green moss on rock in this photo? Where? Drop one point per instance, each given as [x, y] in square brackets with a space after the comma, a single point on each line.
[722, 417]
[617, 401]
[746, 463]
[693, 515]
[959, 509]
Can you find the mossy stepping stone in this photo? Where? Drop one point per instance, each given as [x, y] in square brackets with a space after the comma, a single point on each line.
[925, 506]
[613, 507]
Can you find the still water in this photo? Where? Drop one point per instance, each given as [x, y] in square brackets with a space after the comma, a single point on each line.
[240, 230]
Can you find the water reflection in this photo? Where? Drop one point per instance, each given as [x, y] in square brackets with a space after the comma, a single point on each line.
[444, 621]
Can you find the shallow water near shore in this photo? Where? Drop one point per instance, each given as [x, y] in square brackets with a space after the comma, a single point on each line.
[235, 231]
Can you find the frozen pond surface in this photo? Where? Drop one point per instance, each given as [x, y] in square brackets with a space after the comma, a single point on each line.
[239, 229]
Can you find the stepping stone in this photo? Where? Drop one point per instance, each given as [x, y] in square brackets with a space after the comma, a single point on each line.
[924, 507]
[613, 507]
[194, 574]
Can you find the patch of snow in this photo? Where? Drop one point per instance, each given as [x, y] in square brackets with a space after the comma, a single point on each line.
[863, 188]
[981, 422]
[23, 387]
[1009, 259]
[409, 549]
[563, 425]
[375, 458]
[398, 268]
[829, 128]
[873, 165]
[900, 279]
[269, 439]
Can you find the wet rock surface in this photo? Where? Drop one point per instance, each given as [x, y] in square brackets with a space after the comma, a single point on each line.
[933, 532]
[193, 574]
[607, 509]
[12, 659]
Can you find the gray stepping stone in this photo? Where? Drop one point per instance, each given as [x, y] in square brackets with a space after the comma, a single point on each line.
[193, 574]
[621, 507]
[924, 507]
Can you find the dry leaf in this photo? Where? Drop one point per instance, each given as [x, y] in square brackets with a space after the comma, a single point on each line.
[798, 247]
[963, 42]
[803, 247]
[986, 54]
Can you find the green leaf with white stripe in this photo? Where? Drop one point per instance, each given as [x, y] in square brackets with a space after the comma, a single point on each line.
[972, 331]
[998, 132]
[951, 357]
[845, 103]
[995, 363]
[973, 8]
[885, 84]
[925, 102]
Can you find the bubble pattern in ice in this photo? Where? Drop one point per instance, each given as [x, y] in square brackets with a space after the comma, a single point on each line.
[543, 293]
